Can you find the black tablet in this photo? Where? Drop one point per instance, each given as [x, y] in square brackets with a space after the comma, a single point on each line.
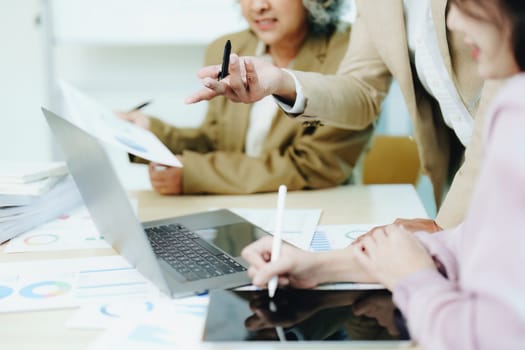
[304, 315]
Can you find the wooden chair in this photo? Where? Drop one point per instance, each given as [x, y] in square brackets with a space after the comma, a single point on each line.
[391, 160]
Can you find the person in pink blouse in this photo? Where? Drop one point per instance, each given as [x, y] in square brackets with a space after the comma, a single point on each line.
[462, 288]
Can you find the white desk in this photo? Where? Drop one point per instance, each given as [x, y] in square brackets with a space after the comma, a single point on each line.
[348, 204]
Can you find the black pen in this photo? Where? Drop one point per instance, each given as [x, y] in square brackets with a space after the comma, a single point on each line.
[225, 60]
[140, 106]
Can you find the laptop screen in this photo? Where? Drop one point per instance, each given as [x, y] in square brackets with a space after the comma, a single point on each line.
[232, 238]
[304, 315]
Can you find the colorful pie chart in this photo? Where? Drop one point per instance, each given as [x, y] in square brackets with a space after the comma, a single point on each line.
[45, 289]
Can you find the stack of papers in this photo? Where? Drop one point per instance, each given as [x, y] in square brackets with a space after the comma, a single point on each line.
[23, 173]
[28, 179]
[33, 193]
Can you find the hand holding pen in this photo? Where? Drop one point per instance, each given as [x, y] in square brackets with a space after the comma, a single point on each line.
[136, 116]
[271, 259]
[249, 80]
[140, 106]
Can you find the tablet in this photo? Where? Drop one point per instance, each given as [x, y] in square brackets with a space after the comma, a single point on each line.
[304, 315]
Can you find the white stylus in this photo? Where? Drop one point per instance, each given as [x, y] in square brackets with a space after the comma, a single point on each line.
[276, 244]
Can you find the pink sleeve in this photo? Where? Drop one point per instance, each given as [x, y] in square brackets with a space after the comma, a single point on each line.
[443, 247]
[481, 302]
[441, 315]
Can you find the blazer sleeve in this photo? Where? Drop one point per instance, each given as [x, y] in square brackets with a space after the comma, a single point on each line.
[179, 139]
[358, 89]
[322, 159]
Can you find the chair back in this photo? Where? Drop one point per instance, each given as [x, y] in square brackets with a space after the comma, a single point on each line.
[391, 160]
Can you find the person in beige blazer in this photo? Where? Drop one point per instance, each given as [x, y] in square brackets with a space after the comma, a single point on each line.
[380, 49]
[300, 156]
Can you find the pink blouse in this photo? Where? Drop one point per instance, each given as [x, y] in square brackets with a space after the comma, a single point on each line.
[481, 303]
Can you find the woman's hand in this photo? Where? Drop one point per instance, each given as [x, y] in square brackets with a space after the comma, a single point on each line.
[392, 253]
[412, 225]
[249, 80]
[295, 267]
[166, 180]
[136, 117]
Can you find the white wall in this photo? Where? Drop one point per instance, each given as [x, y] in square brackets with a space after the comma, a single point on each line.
[23, 131]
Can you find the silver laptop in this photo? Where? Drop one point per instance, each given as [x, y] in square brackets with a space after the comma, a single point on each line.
[181, 255]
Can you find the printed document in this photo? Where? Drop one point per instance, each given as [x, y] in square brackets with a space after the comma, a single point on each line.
[103, 124]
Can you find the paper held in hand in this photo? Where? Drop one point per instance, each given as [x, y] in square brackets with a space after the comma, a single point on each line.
[103, 124]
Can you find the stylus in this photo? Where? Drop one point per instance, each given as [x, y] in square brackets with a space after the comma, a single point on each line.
[276, 244]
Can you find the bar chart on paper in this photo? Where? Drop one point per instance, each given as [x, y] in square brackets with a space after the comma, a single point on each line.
[328, 237]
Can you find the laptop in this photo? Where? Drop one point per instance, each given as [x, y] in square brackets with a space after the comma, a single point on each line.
[181, 255]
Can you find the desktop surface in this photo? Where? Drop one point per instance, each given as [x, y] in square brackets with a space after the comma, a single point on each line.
[341, 205]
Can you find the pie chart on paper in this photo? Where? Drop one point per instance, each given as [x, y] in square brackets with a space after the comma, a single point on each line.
[129, 143]
[45, 289]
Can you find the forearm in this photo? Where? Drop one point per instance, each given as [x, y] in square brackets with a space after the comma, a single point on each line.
[340, 266]
[235, 173]
[284, 88]
[180, 139]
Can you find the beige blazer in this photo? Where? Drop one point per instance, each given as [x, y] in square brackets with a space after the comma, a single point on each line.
[298, 156]
[378, 52]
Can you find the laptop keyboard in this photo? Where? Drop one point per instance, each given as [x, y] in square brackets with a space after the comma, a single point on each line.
[189, 254]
